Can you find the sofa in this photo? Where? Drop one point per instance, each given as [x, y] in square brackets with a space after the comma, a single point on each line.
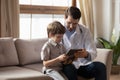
[20, 59]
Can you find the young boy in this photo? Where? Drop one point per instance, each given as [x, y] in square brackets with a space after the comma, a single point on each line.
[53, 53]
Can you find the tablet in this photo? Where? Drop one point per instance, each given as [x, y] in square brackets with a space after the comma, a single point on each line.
[72, 51]
[71, 54]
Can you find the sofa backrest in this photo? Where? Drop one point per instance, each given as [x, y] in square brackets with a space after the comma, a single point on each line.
[8, 53]
[29, 50]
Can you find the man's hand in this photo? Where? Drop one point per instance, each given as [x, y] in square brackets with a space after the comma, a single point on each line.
[81, 54]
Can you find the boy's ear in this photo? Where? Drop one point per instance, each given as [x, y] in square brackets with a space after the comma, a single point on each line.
[50, 35]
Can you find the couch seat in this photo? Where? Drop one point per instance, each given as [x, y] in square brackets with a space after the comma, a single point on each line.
[19, 73]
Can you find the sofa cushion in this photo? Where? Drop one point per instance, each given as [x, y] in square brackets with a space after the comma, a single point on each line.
[29, 50]
[20, 73]
[8, 54]
[105, 56]
[38, 67]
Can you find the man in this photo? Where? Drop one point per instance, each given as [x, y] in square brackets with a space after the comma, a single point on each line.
[78, 36]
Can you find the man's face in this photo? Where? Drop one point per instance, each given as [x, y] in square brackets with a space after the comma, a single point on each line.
[71, 23]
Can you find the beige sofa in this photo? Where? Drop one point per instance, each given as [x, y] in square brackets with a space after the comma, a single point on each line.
[20, 59]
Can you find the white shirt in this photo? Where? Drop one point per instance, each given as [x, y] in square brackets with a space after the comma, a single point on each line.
[81, 39]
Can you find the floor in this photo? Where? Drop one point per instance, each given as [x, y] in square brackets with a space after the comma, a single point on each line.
[115, 77]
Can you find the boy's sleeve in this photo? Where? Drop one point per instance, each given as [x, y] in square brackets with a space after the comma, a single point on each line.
[45, 53]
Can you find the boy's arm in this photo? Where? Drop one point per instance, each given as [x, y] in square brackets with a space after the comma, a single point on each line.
[55, 60]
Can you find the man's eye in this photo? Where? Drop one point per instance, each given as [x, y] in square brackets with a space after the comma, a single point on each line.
[74, 23]
[69, 22]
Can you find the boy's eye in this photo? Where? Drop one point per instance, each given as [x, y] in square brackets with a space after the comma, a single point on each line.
[58, 36]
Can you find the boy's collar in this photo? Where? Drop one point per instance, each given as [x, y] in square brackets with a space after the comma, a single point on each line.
[53, 42]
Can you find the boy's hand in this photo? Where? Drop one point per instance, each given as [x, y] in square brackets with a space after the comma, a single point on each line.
[62, 57]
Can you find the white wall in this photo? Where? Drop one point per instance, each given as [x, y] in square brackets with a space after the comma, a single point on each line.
[107, 18]
[102, 18]
[116, 20]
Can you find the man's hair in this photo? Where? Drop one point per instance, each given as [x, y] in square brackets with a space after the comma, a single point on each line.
[74, 12]
[55, 28]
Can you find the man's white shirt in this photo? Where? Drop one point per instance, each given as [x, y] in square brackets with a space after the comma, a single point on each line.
[81, 39]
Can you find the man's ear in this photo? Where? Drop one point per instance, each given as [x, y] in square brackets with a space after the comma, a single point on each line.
[65, 17]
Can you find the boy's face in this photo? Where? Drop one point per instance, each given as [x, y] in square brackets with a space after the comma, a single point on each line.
[71, 23]
[57, 37]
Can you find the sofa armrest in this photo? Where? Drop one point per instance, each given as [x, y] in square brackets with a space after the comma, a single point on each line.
[105, 56]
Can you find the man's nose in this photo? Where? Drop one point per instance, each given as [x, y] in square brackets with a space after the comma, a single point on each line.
[71, 26]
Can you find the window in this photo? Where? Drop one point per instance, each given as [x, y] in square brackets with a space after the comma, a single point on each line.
[36, 14]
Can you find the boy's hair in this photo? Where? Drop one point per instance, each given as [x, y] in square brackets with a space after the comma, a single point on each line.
[55, 28]
[74, 12]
